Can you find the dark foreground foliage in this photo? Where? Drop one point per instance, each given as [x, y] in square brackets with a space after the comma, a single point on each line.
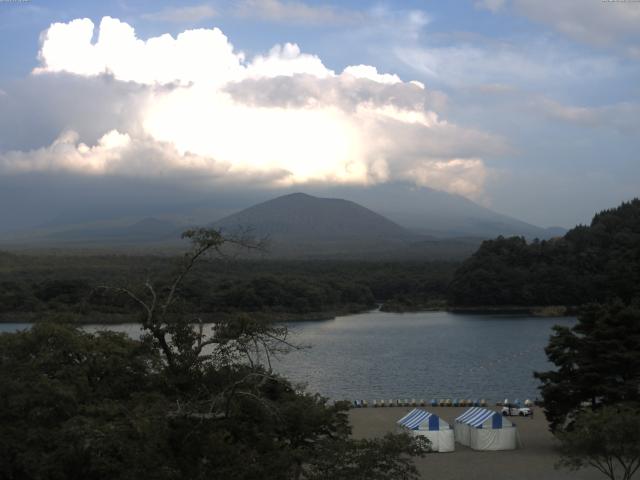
[592, 398]
[79, 406]
[595, 263]
[607, 439]
[184, 402]
[597, 360]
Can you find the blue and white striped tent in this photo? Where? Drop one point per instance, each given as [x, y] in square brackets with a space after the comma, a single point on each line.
[426, 424]
[484, 429]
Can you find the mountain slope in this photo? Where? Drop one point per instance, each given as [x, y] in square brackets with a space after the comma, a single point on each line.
[303, 225]
[433, 212]
[306, 217]
[374, 220]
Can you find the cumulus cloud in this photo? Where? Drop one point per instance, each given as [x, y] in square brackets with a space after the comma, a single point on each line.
[113, 153]
[286, 61]
[36, 109]
[119, 154]
[346, 91]
[199, 55]
[282, 117]
[463, 175]
[65, 153]
[371, 73]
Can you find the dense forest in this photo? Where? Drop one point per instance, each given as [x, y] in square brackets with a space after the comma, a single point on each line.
[594, 263]
[35, 287]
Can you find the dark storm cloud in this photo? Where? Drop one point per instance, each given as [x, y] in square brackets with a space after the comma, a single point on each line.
[35, 110]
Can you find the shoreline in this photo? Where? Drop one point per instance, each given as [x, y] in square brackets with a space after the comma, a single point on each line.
[279, 317]
[127, 318]
[532, 310]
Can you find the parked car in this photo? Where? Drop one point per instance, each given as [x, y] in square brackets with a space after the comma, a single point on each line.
[511, 410]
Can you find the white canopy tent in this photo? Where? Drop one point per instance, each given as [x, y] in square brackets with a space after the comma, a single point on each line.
[483, 429]
[426, 424]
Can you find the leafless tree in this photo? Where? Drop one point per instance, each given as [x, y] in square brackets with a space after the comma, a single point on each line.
[188, 344]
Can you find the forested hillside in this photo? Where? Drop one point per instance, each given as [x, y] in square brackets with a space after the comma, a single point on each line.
[594, 263]
[37, 287]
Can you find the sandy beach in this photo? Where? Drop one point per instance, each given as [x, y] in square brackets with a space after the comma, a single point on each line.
[534, 461]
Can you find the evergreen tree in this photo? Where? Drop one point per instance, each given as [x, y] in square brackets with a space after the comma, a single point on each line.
[597, 263]
[597, 360]
[607, 439]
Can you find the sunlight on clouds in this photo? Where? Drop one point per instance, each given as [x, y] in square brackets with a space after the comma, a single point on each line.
[65, 153]
[464, 176]
[201, 55]
[367, 71]
[283, 116]
[287, 60]
[310, 144]
[428, 119]
[115, 153]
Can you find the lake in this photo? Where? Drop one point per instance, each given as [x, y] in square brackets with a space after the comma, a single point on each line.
[378, 355]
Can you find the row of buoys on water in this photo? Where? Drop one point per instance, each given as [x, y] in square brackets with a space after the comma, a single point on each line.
[389, 403]
[400, 403]
[463, 402]
[445, 402]
[516, 402]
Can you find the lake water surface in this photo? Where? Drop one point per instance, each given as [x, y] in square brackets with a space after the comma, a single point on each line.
[426, 355]
[422, 355]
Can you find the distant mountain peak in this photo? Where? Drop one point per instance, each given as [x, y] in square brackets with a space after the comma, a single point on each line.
[302, 222]
[295, 195]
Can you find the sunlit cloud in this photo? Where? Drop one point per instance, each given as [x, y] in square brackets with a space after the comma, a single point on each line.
[113, 153]
[282, 116]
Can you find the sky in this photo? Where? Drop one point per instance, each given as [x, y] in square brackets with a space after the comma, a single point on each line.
[528, 107]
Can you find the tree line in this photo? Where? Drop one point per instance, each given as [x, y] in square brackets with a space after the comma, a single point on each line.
[595, 263]
[592, 396]
[46, 285]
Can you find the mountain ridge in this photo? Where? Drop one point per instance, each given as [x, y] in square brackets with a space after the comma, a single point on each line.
[390, 220]
[441, 214]
[305, 215]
